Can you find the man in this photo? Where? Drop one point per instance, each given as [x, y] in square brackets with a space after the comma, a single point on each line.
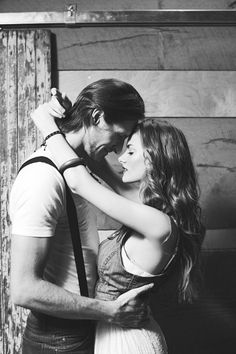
[43, 272]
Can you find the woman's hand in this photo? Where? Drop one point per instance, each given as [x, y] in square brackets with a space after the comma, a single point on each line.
[44, 116]
[62, 99]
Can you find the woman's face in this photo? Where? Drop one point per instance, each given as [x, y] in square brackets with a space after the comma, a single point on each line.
[132, 160]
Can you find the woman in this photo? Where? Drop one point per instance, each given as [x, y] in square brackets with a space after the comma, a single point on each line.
[161, 229]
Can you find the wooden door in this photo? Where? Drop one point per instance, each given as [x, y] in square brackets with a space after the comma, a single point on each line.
[25, 80]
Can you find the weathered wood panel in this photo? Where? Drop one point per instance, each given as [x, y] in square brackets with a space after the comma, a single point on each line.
[167, 48]
[168, 93]
[58, 5]
[43, 70]
[22, 54]
[8, 158]
[26, 94]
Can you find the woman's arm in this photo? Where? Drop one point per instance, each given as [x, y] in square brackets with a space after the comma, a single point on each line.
[144, 219]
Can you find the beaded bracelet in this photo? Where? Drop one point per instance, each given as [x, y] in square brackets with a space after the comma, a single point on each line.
[72, 163]
[44, 143]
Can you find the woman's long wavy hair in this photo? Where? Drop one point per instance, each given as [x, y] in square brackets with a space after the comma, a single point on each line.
[170, 185]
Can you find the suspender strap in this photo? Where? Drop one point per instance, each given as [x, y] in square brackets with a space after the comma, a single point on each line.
[76, 242]
[38, 159]
[74, 228]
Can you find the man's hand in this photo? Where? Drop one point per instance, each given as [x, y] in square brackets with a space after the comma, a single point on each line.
[131, 308]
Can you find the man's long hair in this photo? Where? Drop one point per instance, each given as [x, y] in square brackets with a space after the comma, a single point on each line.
[118, 100]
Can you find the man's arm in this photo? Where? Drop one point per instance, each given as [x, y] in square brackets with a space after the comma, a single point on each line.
[30, 290]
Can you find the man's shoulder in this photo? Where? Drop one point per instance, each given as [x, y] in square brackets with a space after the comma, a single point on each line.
[41, 153]
[40, 174]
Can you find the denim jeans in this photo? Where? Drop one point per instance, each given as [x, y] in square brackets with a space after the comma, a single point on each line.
[48, 335]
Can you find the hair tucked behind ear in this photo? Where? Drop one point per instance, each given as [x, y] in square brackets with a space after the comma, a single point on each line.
[171, 185]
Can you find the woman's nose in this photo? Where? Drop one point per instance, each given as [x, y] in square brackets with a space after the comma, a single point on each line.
[121, 158]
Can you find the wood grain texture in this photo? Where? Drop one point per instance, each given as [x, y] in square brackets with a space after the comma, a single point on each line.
[168, 93]
[3, 128]
[8, 169]
[167, 48]
[26, 93]
[90, 5]
[20, 69]
[43, 71]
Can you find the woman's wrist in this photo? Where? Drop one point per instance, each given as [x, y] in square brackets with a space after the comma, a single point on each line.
[55, 132]
[48, 128]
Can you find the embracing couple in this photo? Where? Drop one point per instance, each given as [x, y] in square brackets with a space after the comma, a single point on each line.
[156, 200]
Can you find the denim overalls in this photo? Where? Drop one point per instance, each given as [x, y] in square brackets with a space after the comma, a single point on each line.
[114, 280]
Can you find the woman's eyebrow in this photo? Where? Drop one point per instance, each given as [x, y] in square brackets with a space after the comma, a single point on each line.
[129, 145]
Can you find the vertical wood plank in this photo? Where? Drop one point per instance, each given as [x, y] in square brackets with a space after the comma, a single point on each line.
[19, 71]
[8, 166]
[43, 70]
[11, 146]
[26, 93]
[3, 127]
[8, 172]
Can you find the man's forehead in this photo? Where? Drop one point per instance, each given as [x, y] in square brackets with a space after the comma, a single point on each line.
[124, 128]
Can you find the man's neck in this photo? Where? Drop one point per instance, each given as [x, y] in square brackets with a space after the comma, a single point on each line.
[75, 140]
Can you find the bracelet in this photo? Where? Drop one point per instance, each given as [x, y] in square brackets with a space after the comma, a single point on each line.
[44, 143]
[72, 163]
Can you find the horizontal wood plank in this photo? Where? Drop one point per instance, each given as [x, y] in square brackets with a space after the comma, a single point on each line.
[168, 48]
[90, 5]
[168, 93]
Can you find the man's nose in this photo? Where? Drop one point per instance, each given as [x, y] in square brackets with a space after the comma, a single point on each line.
[119, 146]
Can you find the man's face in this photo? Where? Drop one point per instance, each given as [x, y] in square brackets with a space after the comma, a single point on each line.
[102, 138]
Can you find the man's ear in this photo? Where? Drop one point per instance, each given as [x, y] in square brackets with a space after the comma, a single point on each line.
[96, 116]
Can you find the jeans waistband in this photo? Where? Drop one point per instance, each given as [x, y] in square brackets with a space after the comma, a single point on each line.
[51, 323]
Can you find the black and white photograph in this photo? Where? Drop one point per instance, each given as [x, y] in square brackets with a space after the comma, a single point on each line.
[118, 177]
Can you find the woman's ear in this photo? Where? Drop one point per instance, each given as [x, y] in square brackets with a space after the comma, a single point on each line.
[96, 116]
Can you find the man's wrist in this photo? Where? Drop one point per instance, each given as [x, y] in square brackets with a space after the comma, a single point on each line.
[106, 310]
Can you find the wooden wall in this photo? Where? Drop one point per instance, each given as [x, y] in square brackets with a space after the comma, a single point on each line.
[90, 5]
[25, 81]
[186, 75]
